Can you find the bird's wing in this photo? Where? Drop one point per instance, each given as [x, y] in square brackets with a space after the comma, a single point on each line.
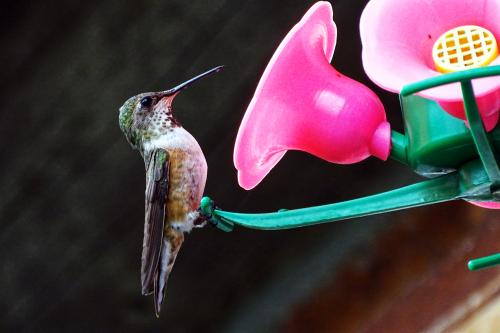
[157, 182]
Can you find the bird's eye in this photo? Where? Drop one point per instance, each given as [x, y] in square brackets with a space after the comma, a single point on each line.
[146, 102]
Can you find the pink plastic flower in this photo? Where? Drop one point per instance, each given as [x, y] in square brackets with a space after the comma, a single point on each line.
[303, 103]
[397, 38]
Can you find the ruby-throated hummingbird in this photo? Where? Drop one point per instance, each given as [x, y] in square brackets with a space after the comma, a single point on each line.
[176, 172]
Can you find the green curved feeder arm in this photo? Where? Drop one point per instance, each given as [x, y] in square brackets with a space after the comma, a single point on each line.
[478, 179]
[424, 193]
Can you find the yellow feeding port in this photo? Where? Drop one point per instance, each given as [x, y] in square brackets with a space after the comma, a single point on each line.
[464, 47]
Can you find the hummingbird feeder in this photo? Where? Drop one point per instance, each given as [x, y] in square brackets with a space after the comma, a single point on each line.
[440, 56]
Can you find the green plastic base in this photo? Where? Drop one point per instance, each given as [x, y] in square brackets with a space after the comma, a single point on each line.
[436, 142]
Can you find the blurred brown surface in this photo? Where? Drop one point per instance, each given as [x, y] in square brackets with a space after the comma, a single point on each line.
[414, 280]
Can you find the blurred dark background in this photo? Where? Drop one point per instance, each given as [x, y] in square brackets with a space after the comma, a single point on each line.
[72, 207]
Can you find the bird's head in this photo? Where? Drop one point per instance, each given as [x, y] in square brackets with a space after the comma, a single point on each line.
[148, 115]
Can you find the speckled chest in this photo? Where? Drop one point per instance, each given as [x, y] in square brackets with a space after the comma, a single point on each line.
[159, 123]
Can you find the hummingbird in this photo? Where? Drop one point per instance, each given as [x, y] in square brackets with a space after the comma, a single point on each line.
[176, 172]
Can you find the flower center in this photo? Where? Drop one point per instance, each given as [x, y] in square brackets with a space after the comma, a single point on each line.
[464, 47]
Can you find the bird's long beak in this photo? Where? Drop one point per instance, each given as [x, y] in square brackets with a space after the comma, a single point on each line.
[175, 90]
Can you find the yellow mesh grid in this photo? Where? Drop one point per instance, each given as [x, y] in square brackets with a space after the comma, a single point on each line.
[464, 47]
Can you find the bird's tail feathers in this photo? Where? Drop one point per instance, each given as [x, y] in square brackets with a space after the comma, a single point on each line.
[172, 242]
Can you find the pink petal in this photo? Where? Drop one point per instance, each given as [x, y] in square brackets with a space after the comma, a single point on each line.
[398, 36]
[253, 159]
